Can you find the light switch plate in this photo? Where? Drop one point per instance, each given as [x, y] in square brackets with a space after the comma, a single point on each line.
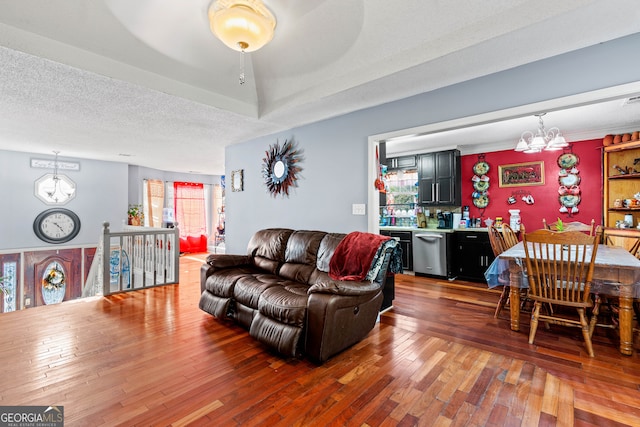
[359, 209]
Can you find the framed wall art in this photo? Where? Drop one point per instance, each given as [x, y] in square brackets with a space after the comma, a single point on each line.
[281, 167]
[236, 180]
[521, 174]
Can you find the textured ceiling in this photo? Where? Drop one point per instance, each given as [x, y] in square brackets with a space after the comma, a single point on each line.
[145, 82]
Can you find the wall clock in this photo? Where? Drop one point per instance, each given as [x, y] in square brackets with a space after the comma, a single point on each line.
[56, 225]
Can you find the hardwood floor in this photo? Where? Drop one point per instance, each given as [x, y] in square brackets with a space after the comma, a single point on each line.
[437, 358]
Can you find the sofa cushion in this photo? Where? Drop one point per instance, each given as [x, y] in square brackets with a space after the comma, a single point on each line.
[193, 244]
[223, 282]
[302, 247]
[283, 338]
[270, 243]
[327, 248]
[215, 305]
[301, 255]
[249, 288]
[268, 247]
[197, 243]
[286, 304]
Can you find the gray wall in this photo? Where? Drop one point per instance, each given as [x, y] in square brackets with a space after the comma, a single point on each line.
[335, 150]
[99, 197]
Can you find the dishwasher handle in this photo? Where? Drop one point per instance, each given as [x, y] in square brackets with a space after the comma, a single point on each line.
[432, 236]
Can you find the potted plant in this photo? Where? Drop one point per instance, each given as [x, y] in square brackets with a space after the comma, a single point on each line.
[135, 215]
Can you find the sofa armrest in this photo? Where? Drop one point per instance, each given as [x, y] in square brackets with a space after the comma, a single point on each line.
[217, 262]
[344, 287]
[336, 322]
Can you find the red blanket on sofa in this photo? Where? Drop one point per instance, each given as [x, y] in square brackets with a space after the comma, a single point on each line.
[353, 256]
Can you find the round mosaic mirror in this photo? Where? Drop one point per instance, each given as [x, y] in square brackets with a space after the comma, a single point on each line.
[280, 168]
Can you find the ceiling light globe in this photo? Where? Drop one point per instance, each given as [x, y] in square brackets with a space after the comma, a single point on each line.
[559, 141]
[522, 145]
[538, 142]
[242, 25]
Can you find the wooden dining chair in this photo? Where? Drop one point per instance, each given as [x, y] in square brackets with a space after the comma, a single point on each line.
[509, 236]
[629, 239]
[560, 268]
[496, 240]
[504, 239]
[572, 226]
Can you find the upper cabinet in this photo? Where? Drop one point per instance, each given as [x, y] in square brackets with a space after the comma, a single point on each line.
[404, 162]
[622, 183]
[440, 178]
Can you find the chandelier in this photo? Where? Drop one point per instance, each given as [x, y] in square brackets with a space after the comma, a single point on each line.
[543, 139]
[55, 188]
[242, 25]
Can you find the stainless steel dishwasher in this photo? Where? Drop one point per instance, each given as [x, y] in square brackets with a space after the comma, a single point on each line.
[430, 253]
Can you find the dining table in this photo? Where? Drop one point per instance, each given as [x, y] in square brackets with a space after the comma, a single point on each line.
[616, 273]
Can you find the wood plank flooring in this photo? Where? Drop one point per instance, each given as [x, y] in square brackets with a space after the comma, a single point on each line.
[437, 358]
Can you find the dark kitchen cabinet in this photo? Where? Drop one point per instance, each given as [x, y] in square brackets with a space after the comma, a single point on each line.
[404, 162]
[472, 256]
[404, 238]
[440, 180]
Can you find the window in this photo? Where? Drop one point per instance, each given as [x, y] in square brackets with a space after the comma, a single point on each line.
[154, 202]
[190, 208]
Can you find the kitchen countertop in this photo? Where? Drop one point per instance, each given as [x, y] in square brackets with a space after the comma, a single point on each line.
[441, 230]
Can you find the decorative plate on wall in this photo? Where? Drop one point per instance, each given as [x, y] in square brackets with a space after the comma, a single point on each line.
[569, 200]
[567, 160]
[481, 168]
[481, 202]
[569, 180]
[481, 185]
[280, 167]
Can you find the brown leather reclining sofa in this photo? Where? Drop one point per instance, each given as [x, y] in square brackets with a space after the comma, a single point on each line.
[282, 293]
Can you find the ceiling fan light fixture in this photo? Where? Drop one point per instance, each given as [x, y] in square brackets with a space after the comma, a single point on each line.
[242, 25]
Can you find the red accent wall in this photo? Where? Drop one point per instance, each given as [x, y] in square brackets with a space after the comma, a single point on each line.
[546, 204]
